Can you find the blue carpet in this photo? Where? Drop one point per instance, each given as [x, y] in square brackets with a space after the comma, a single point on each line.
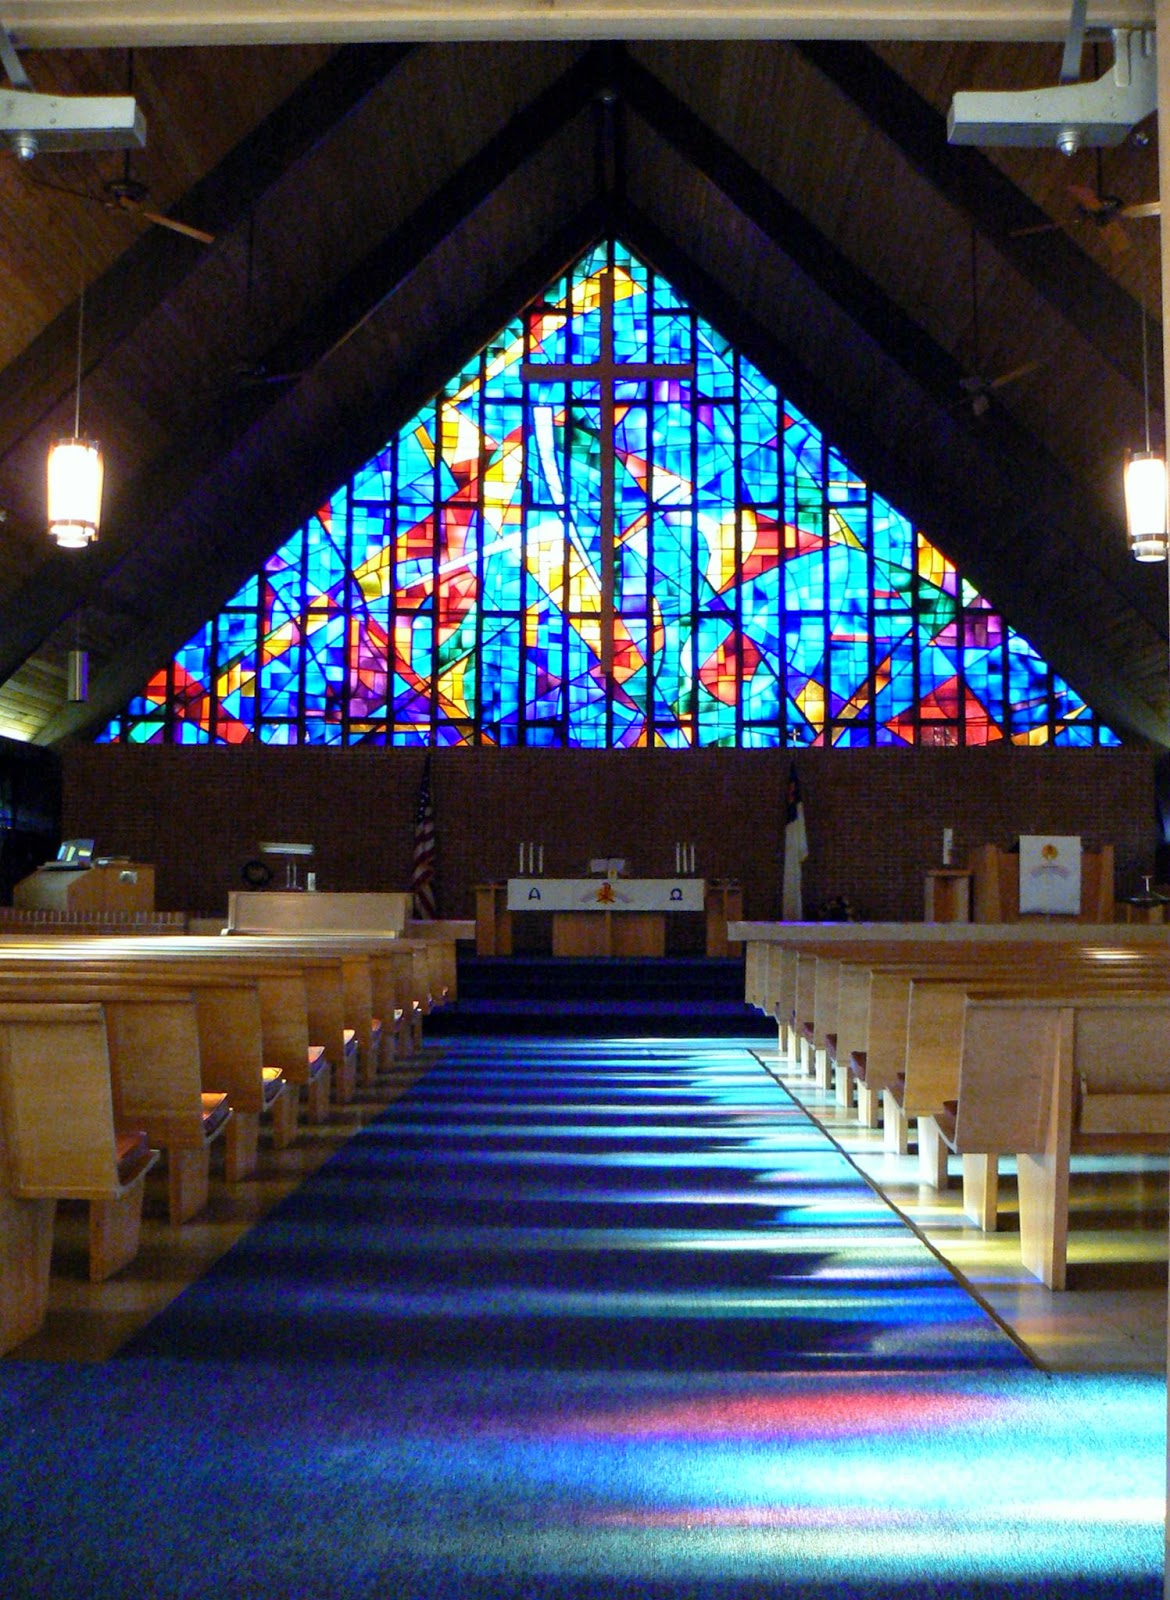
[569, 1322]
[642, 1205]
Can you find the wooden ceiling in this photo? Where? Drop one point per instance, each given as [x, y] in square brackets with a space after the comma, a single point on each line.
[380, 208]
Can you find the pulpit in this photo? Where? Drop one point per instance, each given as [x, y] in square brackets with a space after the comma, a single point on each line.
[996, 883]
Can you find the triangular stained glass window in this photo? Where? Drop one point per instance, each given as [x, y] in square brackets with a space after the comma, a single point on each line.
[744, 588]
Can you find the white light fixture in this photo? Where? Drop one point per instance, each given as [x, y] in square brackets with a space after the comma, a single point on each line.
[77, 677]
[1145, 483]
[75, 474]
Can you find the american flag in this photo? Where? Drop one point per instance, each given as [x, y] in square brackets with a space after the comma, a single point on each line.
[423, 876]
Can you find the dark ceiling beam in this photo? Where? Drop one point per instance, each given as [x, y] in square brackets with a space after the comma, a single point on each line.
[68, 579]
[933, 368]
[1041, 482]
[1073, 284]
[209, 577]
[924, 489]
[157, 263]
[363, 290]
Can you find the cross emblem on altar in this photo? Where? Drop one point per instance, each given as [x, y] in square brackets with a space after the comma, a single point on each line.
[607, 372]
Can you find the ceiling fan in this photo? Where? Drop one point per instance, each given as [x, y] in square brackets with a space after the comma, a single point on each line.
[251, 372]
[977, 387]
[1105, 211]
[127, 195]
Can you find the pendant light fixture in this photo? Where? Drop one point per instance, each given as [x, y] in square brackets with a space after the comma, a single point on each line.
[77, 669]
[75, 473]
[1145, 482]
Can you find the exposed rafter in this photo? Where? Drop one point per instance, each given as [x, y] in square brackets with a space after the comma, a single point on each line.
[1092, 302]
[44, 24]
[209, 576]
[37, 381]
[38, 608]
[922, 487]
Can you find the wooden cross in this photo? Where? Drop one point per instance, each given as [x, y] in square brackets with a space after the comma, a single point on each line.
[607, 372]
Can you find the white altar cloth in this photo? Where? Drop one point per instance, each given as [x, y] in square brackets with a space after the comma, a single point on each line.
[605, 894]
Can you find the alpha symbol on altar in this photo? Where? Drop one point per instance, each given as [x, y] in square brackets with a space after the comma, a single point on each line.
[534, 893]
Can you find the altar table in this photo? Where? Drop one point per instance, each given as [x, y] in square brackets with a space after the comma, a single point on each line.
[607, 916]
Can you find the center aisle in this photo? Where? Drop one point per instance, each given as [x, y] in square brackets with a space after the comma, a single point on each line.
[563, 1204]
[606, 1320]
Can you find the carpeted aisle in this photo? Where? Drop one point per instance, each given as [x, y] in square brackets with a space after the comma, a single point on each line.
[580, 1319]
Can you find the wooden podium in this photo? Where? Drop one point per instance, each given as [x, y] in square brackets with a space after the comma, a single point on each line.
[120, 886]
[996, 880]
[948, 894]
[493, 920]
[722, 903]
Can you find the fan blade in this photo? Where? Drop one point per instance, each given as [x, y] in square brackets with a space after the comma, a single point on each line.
[1037, 227]
[178, 227]
[1088, 199]
[1021, 371]
[61, 188]
[1147, 208]
[1116, 238]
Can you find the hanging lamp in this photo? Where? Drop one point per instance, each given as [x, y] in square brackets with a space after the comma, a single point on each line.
[1145, 482]
[75, 473]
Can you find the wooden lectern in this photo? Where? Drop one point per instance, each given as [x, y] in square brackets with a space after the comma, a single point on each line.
[996, 880]
[119, 886]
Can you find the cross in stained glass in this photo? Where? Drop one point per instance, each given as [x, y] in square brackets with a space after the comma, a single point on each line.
[607, 371]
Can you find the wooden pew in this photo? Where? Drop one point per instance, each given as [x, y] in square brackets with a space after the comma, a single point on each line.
[1047, 1076]
[231, 1039]
[321, 972]
[155, 1068]
[61, 1138]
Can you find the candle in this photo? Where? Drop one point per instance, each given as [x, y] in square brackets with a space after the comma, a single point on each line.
[692, 859]
[540, 860]
[521, 858]
[677, 852]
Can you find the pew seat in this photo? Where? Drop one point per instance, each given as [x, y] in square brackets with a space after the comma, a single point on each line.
[60, 1139]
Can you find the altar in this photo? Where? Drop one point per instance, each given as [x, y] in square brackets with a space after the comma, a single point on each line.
[607, 916]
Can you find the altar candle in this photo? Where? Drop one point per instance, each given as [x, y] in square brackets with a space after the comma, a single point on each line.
[521, 858]
[692, 859]
[540, 860]
[677, 848]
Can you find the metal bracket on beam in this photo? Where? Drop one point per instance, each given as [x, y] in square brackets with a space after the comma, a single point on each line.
[1074, 43]
[34, 122]
[11, 62]
[1070, 116]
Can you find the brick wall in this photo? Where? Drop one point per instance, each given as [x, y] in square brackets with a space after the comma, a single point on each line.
[875, 817]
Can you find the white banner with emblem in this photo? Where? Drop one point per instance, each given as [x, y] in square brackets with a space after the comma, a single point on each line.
[1050, 874]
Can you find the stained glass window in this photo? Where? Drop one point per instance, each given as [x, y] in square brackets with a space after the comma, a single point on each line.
[746, 587]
